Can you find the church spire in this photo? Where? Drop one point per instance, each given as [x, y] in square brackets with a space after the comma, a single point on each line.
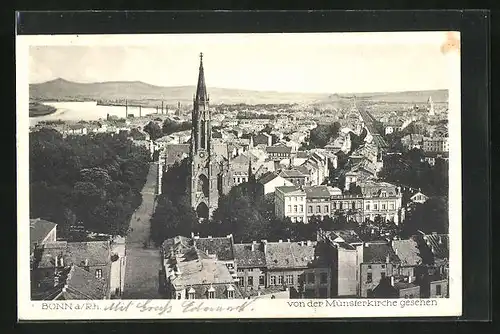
[201, 89]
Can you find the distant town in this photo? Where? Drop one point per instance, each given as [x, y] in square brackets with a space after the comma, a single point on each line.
[341, 198]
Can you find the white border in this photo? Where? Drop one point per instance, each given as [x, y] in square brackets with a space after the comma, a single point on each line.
[260, 308]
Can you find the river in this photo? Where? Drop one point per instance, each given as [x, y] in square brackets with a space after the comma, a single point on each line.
[87, 111]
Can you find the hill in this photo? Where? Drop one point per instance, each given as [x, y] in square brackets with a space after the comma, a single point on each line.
[63, 90]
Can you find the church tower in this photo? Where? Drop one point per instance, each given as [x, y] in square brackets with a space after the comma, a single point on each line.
[204, 168]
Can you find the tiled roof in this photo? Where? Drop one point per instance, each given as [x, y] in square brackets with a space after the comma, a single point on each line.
[267, 177]
[75, 284]
[201, 271]
[349, 236]
[221, 247]
[378, 252]
[178, 245]
[290, 189]
[265, 291]
[39, 229]
[317, 192]
[372, 188]
[278, 149]
[96, 252]
[290, 254]
[245, 257]
[407, 251]
[303, 169]
[292, 173]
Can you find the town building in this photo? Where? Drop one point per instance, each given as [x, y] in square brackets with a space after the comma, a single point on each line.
[382, 199]
[219, 248]
[377, 261]
[270, 180]
[435, 144]
[41, 232]
[318, 201]
[279, 152]
[298, 266]
[290, 202]
[52, 259]
[419, 198]
[296, 176]
[251, 263]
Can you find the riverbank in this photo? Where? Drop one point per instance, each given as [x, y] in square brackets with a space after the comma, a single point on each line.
[38, 109]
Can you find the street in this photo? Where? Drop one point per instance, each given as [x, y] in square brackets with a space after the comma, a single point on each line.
[143, 263]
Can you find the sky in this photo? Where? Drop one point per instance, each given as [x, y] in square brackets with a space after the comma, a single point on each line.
[308, 63]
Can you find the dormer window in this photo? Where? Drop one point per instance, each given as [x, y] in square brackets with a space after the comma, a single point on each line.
[230, 292]
[191, 293]
[98, 273]
[211, 293]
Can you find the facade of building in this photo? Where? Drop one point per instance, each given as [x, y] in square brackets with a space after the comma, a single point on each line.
[298, 266]
[251, 263]
[382, 199]
[210, 174]
[270, 180]
[52, 260]
[279, 152]
[290, 201]
[435, 144]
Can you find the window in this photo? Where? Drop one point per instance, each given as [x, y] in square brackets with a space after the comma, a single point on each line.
[240, 270]
[295, 208]
[289, 279]
[98, 273]
[323, 278]
[375, 206]
[301, 208]
[383, 206]
[289, 208]
[310, 278]
[367, 206]
[369, 277]
[241, 281]
[250, 269]
[391, 206]
[229, 266]
[280, 280]
[383, 266]
[353, 205]
[250, 280]
[191, 295]
[273, 280]
[438, 290]
[310, 209]
[334, 205]
[318, 209]
[230, 294]
[369, 266]
[326, 208]
[211, 294]
[262, 280]
[179, 295]
[340, 205]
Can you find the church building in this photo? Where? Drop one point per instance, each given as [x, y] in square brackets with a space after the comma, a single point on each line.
[210, 174]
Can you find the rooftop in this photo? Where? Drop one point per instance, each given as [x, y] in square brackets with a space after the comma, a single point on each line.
[221, 247]
[75, 253]
[267, 177]
[290, 189]
[202, 271]
[407, 251]
[379, 253]
[278, 149]
[39, 229]
[246, 257]
[290, 254]
[317, 192]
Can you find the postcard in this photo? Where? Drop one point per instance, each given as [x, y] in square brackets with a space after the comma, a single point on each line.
[195, 176]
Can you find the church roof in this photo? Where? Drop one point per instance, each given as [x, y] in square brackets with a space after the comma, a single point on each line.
[201, 89]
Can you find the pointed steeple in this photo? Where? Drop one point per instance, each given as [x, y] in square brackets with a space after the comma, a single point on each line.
[201, 89]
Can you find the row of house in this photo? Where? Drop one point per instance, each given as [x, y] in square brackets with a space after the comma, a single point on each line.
[337, 264]
[301, 203]
[63, 270]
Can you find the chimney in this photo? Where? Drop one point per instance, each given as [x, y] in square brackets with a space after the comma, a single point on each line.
[229, 236]
[280, 241]
[192, 234]
[264, 242]
[62, 261]
[253, 246]
[86, 262]
[287, 240]
[56, 261]
[392, 280]
[440, 240]
[309, 243]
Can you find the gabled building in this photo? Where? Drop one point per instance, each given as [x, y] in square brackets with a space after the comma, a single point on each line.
[300, 266]
[290, 202]
[51, 260]
[279, 152]
[270, 180]
[251, 263]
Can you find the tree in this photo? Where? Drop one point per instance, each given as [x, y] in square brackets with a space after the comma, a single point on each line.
[428, 217]
[154, 130]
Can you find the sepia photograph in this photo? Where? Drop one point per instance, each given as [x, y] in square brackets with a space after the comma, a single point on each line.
[239, 175]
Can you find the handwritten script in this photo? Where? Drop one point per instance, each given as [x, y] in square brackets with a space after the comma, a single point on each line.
[162, 307]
